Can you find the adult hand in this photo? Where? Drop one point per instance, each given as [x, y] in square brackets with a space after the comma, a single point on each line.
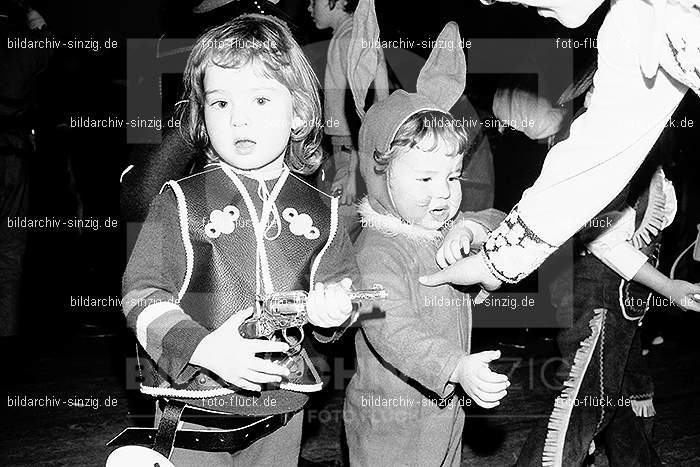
[467, 271]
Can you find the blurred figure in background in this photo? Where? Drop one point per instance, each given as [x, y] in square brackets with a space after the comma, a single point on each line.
[341, 123]
[20, 66]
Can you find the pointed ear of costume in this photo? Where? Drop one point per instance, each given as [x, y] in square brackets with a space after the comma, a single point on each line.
[444, 75]
[363, 56]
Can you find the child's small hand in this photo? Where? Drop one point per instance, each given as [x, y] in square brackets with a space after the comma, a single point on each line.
[232, 357]
[346, 189]
[683, 294]
[329, 306]
[455, 246]
[484, 386]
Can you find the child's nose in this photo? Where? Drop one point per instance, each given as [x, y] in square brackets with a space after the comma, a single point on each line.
[239, 117]
[441, 190]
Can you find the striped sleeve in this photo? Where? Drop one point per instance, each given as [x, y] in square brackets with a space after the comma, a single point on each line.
[150, 286]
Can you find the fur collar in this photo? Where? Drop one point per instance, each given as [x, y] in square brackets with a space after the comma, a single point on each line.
[392, 226]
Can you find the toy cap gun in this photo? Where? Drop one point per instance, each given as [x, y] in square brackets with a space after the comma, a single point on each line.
[286, 311]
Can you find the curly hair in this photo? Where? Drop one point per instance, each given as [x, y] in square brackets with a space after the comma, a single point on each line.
[349, 7]
[432, 125]
[267, 42]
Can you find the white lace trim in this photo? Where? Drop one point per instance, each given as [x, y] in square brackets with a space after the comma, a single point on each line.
[513, 251]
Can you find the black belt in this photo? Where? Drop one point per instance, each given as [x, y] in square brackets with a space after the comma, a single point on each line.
[167, 436]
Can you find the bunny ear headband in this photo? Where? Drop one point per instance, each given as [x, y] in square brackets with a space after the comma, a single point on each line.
[440, 83]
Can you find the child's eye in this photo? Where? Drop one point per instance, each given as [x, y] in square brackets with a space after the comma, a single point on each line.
[219, 104]
[426, 179]
[262, 100]
[454, 178]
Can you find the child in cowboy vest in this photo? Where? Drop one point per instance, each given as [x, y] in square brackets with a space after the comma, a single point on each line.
[405, 405]
[244, 227]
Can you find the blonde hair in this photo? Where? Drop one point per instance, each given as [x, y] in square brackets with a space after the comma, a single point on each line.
[267, 42]
[433, 125]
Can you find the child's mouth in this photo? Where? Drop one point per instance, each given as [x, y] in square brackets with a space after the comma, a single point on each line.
[244, 146]
[440, 214]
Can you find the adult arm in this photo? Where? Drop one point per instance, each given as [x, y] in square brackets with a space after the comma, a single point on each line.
[582, 174]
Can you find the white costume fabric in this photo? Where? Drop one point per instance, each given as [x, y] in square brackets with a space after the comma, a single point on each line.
[607, 144]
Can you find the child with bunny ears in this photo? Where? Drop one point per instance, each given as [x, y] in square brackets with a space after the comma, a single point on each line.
[403, 406]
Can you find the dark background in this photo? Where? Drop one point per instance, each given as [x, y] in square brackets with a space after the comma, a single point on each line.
[79, 167]
[83, 350]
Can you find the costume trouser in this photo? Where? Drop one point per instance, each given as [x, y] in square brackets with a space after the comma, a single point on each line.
[14, 196]
[403, 436]
[279, 448]
[600, 372]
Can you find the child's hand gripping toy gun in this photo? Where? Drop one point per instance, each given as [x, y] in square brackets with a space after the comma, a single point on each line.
[283, 315]
[286, 311]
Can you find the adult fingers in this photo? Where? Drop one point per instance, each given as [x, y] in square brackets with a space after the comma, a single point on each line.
[457, 273]
[690, 304]
[481, 296]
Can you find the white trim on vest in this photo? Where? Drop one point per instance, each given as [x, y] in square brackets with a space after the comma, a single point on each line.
[331, 236]
[184, 231]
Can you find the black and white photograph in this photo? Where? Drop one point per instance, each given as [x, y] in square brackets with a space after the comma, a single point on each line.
[350, 233]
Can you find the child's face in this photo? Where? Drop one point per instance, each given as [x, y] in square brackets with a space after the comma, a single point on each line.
[321, 12]
[424, 185]
[248, 116]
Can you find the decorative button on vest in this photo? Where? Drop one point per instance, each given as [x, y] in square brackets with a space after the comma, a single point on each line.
[222, 221]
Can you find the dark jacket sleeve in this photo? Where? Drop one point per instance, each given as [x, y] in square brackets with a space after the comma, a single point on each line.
[151, 284]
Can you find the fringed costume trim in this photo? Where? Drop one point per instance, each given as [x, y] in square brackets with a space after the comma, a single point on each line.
[563, 405]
